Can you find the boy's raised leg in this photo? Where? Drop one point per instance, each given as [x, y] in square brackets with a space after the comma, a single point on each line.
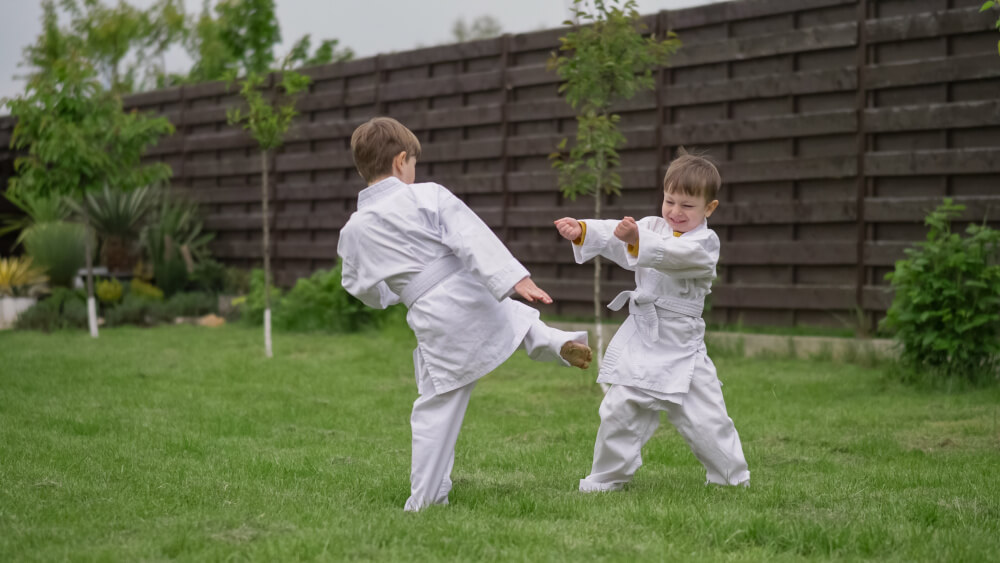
[547, 344]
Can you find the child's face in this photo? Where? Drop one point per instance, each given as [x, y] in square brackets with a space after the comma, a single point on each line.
[685, 212]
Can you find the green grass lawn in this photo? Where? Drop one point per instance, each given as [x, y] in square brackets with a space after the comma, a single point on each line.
[180, 442]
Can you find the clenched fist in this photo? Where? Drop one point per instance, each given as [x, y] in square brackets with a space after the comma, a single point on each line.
[569, 228]
[628, 231]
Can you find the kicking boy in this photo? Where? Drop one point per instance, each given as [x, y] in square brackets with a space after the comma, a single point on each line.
[420, 245]
[657, 360]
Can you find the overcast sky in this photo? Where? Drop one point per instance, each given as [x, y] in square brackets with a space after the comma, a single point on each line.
[367, 26]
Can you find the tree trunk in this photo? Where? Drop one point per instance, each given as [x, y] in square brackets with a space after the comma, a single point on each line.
[267, 255]
[598, 309]
[91, 302]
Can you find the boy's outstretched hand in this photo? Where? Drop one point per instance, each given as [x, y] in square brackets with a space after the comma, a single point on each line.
[530, 292]
[569, 228]
[628, 231]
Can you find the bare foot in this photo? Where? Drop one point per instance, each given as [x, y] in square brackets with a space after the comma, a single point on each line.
[576, 354]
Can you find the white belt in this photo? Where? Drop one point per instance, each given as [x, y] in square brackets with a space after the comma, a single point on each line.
[643, 305]
[433, 274]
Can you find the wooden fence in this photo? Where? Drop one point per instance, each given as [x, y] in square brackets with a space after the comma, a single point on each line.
[837, 125]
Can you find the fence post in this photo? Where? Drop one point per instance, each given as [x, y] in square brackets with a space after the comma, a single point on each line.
[504, 133]
[861, 102]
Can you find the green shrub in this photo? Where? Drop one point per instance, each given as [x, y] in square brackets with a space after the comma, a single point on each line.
[139, 288]
[64, 308]
[59, 247]
[192, 304]
[946, 310]
[109, 291]
[320, 303]
[252, 309]
[171, 276]
[237, 282]
[210, 276]
[133, 310]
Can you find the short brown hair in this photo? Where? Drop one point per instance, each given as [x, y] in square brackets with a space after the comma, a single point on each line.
[376, 142]
[692, 175]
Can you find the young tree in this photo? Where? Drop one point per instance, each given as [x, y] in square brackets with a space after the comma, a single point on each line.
[123, 43]
[74, 134]
[605, 59]
[240, 39]
[267, 120]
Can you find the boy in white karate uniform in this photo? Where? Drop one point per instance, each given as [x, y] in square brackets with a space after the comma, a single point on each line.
[657, 360]
[420, 245]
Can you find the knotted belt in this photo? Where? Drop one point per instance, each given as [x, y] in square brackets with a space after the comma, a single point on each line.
[435, 272]
[643, 305]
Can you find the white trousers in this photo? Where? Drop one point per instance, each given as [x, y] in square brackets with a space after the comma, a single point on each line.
[629, 417]
[437, 418]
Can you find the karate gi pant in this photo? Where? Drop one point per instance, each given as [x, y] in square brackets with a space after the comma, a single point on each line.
[629, 416]
[437, 418]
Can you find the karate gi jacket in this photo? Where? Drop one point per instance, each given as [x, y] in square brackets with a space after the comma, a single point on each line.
[466, 325]
[658, 344]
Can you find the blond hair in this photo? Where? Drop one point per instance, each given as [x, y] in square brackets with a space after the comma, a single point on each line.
[692, 175]
[376, 142]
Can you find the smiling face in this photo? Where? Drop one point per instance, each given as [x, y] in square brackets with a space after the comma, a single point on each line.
[685, 212]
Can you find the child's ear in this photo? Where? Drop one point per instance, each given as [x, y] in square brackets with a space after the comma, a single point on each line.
[399, 161]
[711, 207]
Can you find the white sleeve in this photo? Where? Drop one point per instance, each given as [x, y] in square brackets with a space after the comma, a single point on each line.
[479, 249]
[600, 240]
[684, 258]
[374, 294]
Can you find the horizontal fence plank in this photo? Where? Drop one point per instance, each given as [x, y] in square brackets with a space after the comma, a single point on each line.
[442, 53]
[933, 116]
[769, 86]
[915, 209]
[921, 26]
[785, 212]
[874, 298]
[789, 169]
[822, 298]
[743, 48]
[885, 253]
[444, 86]
[931, 71]
[226, 167]
[320, 160]
[811, 253]
[543, 181]
[797, 125]
[913, 163]
[279, 249]
[733, 11]
[344, 69]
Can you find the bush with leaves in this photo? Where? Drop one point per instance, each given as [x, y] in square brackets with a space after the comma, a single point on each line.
[252, 307]
[320, 303]
[59, 247]
[946, 309]
[210, 276]
[20, 278]
[110, 291]
[145, 290]
[117, 216]
[64, 308]
[316, 303]
[191, 304]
